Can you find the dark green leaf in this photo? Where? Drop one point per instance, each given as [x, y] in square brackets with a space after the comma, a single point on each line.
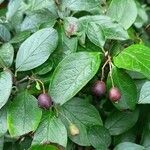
[1, 142]
[99, 137]
[129, 146]
[5, 87]
[51, 129]
[135, 58]
[90, 116]
[127, 88]
[72, 74]
[120, 122]
[36, 49]
[6, 55]
[123, 11]
[24, 114]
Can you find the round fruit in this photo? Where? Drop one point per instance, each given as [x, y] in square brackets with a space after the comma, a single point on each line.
[99, 88]
[44, 101]
[73, 129]
[114, 94]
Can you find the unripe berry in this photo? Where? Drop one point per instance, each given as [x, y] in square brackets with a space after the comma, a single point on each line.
[44, 101]
[73, 129]
[99, 88]
[114, 94]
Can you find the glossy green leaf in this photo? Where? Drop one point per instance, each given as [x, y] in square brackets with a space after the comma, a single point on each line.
[127, 88]
[90, 117]
[6, 55]
[119, 122]
[24, 115]
[129, 146]
[99, 28]
[3, 121]
[135, 58]
[36, 49]
[51, 129]
[5, 87]
[4, 33]
[43, 147]
[123, 11]
[72, 74]
[99, 137]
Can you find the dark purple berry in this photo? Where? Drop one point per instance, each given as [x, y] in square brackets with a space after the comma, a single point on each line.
[99, 88]
[44, 101]
[114, 94]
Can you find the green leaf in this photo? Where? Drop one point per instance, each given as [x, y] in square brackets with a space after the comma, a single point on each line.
[99, 28]
[72, 74]
[23, 115]
[36, 49]
[33, 21]
[4, 33]
[127, 88]
[51, 129]
[5, 87]
[3, 121]
[129, 146]
[99, 137]
[1, 1]
[123, 11]
[66, 46]
[90, 117]
[20, 37]
[135, 58]
[43, 147]
[6, 55]
[78, 5]
[143, 91]
[120, 122]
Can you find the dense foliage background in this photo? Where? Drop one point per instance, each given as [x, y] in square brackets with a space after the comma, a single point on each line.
[64, 47]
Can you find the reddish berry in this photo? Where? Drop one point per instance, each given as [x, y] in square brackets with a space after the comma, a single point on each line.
[114, 94]
[44, 101]
[99, 88]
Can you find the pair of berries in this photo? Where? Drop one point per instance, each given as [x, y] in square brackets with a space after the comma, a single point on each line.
[99, 89]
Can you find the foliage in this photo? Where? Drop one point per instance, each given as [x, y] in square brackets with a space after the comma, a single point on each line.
[60, 48]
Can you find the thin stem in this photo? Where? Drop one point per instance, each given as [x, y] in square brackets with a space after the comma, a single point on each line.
[110, 68]
[102, 76]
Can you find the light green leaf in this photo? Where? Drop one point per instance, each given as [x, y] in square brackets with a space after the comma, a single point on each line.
[35, 20]
[1, 1]
[127, 88]
[23, 115]
[5, 87]
[123, 11]
[78, 5]
[6, 55]
[4, 33]
[120, 122]
[99, 137]
[135, 58]
[51, 129]
[43, 147]
[90, 117]
[143, 92]
[99, 28]
[36, 49]
[72, 74]
[129, 146]
[3, 121]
